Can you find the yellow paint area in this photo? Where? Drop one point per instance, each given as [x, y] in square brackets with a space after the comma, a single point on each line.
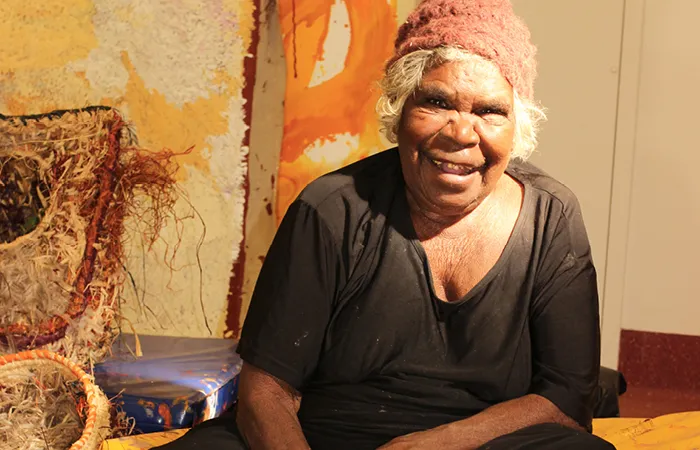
[38, 40]
[44, 34]
[163, 125]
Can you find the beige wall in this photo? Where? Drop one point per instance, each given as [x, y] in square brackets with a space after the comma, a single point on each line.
[662, 268]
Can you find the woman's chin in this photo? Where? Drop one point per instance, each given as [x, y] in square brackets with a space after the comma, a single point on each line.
[454, 205]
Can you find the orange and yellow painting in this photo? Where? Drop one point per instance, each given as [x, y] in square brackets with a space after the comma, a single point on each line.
[335, 53]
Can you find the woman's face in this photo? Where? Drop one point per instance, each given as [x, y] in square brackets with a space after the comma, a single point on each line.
[455, 137]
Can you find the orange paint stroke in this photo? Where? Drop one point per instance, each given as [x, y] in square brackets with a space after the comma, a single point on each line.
[164, 412]
[344, 104]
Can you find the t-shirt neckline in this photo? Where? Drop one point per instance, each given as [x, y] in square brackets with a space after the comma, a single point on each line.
[495, 269]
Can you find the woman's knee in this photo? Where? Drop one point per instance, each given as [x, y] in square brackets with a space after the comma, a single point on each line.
[219, 433]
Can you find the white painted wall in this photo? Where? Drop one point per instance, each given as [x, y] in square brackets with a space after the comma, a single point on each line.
[662, 269]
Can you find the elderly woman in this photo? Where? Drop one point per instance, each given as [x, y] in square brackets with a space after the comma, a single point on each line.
[437, 295]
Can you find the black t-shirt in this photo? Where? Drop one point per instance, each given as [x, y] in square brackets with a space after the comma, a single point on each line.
[344, 311]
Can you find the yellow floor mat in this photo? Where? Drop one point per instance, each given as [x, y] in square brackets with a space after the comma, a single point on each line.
[142, 441]
[672, 432]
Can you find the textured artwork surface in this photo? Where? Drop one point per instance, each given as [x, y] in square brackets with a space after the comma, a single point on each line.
[335, 52]
[175, 70]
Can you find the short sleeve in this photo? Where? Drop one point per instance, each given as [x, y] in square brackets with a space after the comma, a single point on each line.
[289, 312]
[564, 321]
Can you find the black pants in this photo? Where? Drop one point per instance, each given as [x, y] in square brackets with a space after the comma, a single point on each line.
[222, 433]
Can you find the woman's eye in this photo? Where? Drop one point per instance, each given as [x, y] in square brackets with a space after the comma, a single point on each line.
[492, 111]
[437, 102]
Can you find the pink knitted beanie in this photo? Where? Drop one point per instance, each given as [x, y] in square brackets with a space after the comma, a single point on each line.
[488, 28]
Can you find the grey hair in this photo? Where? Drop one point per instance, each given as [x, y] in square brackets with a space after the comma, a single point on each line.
[406, 74]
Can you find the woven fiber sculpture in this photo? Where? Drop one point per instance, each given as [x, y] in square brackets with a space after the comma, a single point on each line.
[68, 180]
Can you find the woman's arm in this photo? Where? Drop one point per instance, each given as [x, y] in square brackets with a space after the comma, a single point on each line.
[285, 328]
[267, 409]
[496, 421]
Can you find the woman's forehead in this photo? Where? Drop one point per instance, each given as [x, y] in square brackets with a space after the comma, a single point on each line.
[474, 76]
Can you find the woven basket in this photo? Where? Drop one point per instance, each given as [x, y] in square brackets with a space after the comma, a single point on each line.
[21, 366]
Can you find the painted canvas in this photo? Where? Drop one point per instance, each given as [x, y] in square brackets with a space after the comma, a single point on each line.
[335, 53]
[176, 72]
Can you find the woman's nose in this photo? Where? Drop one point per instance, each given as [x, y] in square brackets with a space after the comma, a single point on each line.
[462, 130]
